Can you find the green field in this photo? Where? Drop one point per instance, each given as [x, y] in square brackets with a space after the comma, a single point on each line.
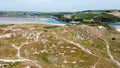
[89, 16]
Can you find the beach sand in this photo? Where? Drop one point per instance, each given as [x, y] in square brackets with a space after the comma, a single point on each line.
[21, 22]
[117, 28]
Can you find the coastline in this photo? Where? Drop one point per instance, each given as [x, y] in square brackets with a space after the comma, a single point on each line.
[8, 20]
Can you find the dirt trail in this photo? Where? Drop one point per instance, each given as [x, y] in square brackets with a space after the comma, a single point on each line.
[77, 44]
[109, 53]
[21, 59]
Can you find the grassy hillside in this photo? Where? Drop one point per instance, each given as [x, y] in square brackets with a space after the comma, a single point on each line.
[49, 46]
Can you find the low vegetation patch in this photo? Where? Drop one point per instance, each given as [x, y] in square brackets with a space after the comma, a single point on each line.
[3, 26]
[49, 27]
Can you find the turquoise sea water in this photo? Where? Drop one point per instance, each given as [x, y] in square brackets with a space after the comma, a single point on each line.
[115, 24]
[53, 21]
